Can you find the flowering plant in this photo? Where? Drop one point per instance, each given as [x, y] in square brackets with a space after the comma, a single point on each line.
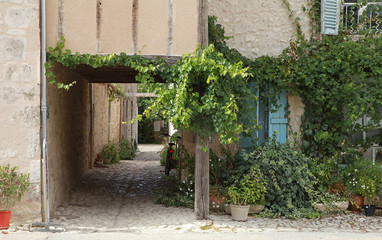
[362, 178]
[13, 185]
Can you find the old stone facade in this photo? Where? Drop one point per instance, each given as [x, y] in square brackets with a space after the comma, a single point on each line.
[81, 120]
[20, 95]
[262, 28]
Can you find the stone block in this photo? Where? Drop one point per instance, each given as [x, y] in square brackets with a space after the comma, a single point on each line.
[12, 48]
[12, 1]
[17, 72]
[8, 94]
[34, 143]
[29, 94]
[19, 17]
[31, 116]
[7, 154]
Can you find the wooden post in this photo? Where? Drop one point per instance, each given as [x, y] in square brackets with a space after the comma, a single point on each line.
[202, 179]
[202, 163]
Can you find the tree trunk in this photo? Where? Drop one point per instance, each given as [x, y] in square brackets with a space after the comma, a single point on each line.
[202, 179]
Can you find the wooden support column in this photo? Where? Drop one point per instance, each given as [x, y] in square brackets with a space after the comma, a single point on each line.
[202, 179]
[202, 165]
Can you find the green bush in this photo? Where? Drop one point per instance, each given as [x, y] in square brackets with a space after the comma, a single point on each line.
[126, 149]
[290, 190]
[178, 194]
[111, 151]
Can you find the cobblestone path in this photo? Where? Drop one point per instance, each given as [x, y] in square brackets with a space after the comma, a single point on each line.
[122, 198]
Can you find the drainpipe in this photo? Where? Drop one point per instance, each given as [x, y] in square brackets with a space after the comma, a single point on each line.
[44, 108]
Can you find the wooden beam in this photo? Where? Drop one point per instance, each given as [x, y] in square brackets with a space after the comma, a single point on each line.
[203, 22]
[202, 179]
[140, 95]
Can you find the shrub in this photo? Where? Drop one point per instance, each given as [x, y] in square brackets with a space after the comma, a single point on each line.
[126, 149]
[179, 194]
[111, 151]
[290, 182]
[13, 185]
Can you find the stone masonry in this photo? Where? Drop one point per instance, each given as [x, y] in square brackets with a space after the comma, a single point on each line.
[20, 95]
[262, 28]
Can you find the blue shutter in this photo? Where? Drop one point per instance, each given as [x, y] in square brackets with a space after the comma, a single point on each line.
[247, 142]
[330, 15]
[278, 121]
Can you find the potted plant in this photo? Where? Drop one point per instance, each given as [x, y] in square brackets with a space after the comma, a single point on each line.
[13, 185]
[110, 153]
[361, 180]
[250, 189]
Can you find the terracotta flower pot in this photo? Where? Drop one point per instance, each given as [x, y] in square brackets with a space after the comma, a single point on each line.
[216, 202]
[5, 217]
[356, 204]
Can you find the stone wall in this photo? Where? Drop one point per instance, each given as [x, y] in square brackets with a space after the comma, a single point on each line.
[68, 134]
[106, 118]
[20, 97]
[262, 28]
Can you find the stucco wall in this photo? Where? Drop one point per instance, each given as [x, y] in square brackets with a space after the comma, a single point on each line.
[262, 28]
[68, 134]
[153, 27]
[20, 97]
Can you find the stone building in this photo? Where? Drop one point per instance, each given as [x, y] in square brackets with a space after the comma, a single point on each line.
[81, 120]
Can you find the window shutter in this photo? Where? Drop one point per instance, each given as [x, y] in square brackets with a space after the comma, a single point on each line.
[330, 15]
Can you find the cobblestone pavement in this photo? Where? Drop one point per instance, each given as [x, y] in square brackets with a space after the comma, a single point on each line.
[122, 198]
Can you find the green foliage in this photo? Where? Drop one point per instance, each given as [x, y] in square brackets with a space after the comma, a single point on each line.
[362, 178]
[13, 185]
[126, 149]
[146, 68]
[250, 189]
[220, 168]
[290, 182]
[115, 92]
[178, 194]
[111, 151]
[339, 81]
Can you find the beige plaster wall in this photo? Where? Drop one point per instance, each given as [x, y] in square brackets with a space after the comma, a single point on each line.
[262, 28]
[68, 134]
[100, 118]
[152, 27]
[20, 97]
[106, 118]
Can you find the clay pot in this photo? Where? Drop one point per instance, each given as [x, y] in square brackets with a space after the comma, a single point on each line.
[356, 204]
[5, 217]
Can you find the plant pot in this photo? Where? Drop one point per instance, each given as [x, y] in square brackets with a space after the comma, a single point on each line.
[321, 207]
[106, 160]
[356, 204]
[239, 212]
[369, 210]
[253, 208]
[5, 217]
[341, 206]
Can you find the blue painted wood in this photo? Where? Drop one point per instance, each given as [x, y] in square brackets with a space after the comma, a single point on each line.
[278, 121]
[247, 142]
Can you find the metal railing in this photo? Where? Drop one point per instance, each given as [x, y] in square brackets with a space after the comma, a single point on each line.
[359, 20]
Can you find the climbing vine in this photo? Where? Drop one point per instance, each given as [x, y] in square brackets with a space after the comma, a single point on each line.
[204, 92]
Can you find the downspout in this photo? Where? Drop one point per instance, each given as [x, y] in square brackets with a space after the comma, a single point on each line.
[44, 108]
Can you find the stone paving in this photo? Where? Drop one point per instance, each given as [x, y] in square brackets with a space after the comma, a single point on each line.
[122, 198]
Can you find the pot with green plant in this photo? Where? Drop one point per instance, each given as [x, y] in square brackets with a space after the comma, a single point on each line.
[249, 190]
[13, 185]
[361, 179]
[110, 153]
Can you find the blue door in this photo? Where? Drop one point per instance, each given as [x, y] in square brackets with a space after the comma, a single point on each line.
[271, 121]
[278, 122]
